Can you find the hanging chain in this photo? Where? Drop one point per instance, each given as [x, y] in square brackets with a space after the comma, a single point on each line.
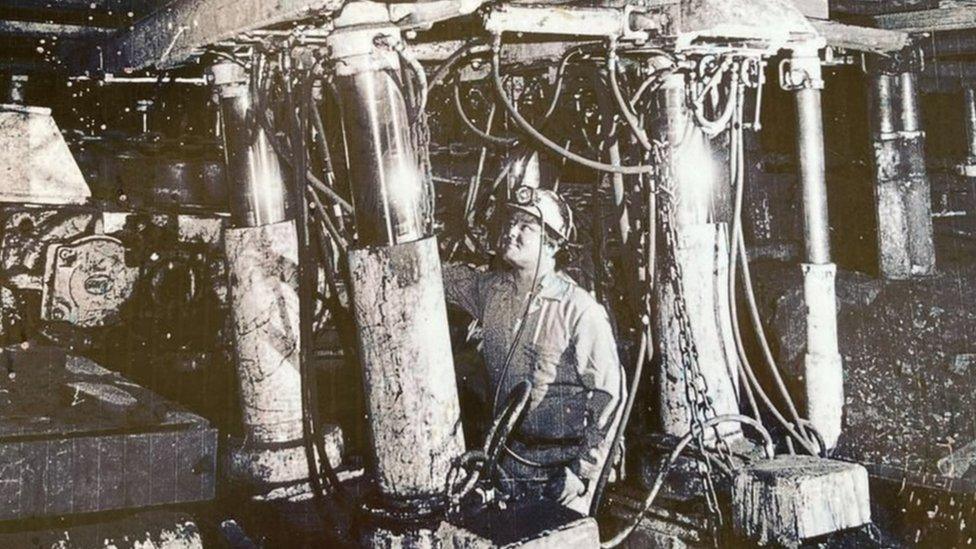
[700, 404]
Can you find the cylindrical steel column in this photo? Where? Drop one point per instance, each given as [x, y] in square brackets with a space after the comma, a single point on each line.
[810, 156]
[701, 207]
[910, 121]
[387, 185]
[823, 378]
[970, 98]
[397, 289]
[881, 101]
[262, 268]
[258, 192]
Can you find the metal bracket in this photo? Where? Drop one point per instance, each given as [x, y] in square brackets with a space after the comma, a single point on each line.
[968, 169]
[797, 73]
[614, 23]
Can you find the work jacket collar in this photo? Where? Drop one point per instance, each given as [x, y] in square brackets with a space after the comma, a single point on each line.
[552, 285]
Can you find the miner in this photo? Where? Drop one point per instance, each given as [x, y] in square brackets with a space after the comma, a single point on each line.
[539, 326]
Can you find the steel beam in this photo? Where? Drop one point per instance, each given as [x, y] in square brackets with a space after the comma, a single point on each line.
[950, 18]
[851, 37]
[173, 35]
[879, 7]
[35, 29]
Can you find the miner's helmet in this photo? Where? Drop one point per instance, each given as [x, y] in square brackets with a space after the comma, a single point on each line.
[543, 204]
[548, 207]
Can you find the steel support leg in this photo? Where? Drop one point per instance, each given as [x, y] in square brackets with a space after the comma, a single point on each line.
[902, 194]
[262, 263]
[823, 378]
[701, 198]
[397, 290]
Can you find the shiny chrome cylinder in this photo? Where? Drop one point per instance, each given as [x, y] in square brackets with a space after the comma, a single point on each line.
[881, 103]
[909, 102]
[257, 187]
[810, 153]
[970, 96]
[395, 278]
[699, 166]
[386, 181]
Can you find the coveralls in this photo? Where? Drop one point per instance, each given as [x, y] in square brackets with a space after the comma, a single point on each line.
[567, 351]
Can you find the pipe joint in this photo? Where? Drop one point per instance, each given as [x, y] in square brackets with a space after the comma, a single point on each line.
[363, 49]
[802, 71]
[229, 79]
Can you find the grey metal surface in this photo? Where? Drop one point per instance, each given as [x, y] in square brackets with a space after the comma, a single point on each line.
[169, 37]
[810, 153]
[87, 281]
[384, 174]
[62, 452]
[35, 163]
[257, 188]
[407, 367]
[263, 274]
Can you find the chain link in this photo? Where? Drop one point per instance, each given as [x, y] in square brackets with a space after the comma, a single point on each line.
[700, 404]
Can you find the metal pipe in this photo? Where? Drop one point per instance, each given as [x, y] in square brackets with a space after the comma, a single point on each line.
[970, 97]
[881, 103]
[387, 183]
[258, 192]
[810, 153]
[396, 285]
[909, 102]
[619, 196]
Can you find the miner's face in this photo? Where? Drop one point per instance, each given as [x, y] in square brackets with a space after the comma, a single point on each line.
[521, 239]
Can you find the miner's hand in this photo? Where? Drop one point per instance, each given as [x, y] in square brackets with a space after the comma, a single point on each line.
[566, 487]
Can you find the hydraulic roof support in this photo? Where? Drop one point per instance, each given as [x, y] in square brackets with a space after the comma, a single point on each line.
[262, 263]
[397, 294]
[700, 220]
[902, 197]
[823, 379]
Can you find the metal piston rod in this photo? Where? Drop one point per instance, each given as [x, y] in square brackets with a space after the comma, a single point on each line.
[823, 378]
[397, 290]
[262, 253]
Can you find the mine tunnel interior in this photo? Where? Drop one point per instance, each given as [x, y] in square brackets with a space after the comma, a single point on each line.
[258, 286]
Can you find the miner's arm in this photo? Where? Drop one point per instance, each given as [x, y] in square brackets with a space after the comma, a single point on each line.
[463, 287]
[601, 374]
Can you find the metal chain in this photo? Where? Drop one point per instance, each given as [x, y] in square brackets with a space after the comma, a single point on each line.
[700, 405]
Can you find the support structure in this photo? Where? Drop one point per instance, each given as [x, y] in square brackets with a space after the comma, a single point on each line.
[902, 194]
[700, 223]
[262, 262]
[397, 290]
[968, 167]
[823, 377]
